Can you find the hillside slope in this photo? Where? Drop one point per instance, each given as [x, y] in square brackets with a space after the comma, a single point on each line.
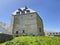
[33, 40]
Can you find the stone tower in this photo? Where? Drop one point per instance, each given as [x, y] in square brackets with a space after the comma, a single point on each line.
[26, 21]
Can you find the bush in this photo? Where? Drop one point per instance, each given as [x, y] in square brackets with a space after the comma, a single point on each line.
[5, 37]
[10, 43]
[15, 43]
[33, 40]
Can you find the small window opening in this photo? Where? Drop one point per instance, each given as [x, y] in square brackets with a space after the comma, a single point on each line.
[28, 11]
[17, 12]
[23, 31]
[16, 32]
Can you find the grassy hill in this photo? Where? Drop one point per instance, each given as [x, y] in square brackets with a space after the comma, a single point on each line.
[33, 40]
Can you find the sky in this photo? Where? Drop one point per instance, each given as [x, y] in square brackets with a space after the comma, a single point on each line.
[48, 10]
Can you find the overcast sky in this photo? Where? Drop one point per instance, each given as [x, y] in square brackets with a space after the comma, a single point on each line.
[48, 10]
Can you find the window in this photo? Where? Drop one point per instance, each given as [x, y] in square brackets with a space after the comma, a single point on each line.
[16, 32]
[56, 33]
[28, 11]
[23, 31]
[50, 33]
[39, 29]
[17, 12]
[53, 33]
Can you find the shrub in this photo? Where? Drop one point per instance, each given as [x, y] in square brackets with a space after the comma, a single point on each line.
[15, 43]
[5, 37]
[10, 43]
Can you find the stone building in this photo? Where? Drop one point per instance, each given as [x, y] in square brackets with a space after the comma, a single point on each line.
[26, 21]
[57, 34]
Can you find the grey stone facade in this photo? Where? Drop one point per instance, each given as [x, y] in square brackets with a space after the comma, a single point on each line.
[26, 21]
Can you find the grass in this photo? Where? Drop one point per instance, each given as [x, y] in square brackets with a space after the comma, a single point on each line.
[33, 40]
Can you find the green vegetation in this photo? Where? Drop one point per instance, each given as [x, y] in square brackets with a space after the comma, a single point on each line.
[33, 40]
[5, 37]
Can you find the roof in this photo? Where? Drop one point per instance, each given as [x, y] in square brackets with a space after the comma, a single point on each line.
[23, 10]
